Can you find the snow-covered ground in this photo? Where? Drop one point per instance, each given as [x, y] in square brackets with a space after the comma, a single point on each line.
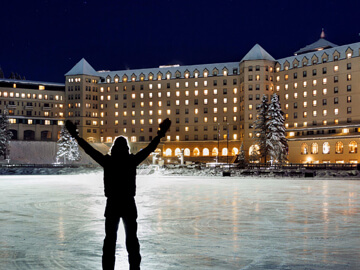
[56, 222]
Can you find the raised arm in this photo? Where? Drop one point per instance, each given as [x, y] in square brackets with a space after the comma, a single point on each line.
[144, 153]
[94, 154]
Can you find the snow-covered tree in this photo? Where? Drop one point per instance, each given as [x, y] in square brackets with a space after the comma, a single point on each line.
[241, 157]
[5, 134]
[275, 125]
[12, 75]
[68, 148]
[260, 128]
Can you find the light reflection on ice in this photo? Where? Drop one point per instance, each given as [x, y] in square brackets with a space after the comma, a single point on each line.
[56, 222]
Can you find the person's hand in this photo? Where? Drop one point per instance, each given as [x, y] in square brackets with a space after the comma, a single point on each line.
[164, 127]
[71, 127]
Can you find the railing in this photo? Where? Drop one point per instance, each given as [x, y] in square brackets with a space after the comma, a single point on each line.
[45, 166]
[307, 166]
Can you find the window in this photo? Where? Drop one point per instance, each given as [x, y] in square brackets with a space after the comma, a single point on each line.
[304, 149]
[339, 147]
[352, 147]
[348, 109]
[326, 148]
[314, 148]
[348, 99]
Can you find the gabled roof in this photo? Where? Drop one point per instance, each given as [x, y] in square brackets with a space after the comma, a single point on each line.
[319, 45]
[82, 68]
[257, 53]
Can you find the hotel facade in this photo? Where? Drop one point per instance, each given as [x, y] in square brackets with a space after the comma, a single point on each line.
[212, 106]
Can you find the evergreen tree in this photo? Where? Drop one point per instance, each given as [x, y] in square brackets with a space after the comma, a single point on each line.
[12, 75]
[5, 134]
[67, 147]
[1, 73]
[275, 125]
[260, 128]
[17, 76]
[241, 157]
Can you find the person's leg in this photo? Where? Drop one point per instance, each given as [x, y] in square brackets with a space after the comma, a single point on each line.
[132, 242]
[109, 247]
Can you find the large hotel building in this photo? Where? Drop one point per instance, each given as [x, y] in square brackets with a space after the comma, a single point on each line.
[212, 106]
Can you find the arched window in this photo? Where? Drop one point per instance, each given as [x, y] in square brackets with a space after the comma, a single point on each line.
[234, 151]
[304, 149]
[196, 152]
[326, 148]
[339, 148]
[168, 152]
[214, 152]
[254, 149]
[206, 152]
[314, 148]
[224, 152]
[352, 147]
[187, 152]
[14, 134]
[177, 151]
[29, 135]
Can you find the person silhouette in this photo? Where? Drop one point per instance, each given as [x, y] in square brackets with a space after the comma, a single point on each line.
[120, 189]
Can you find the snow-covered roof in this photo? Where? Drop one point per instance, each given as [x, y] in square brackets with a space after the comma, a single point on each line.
[257, 53]
[320, 44]
[341, 50]
[172, 70]
[82, 68]
[31, 82]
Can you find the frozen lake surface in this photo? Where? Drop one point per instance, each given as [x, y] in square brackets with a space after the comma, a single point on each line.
[56, 222]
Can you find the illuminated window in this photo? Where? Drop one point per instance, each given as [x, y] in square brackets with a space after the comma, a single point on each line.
[206, 92]
[314, 113]
[295, 85]
[187, 150]
[314, 148]
[305, 104]
[304, 84]
[339, 148]
[215, 110]
[326, 148]
[206, 152]
[295, 95]
[224, 152]
[196, 92]
[352, 147]
[304, 149]
[314, 93]
[215, 91]
[205, 83]
[177, 93]
[314, 82]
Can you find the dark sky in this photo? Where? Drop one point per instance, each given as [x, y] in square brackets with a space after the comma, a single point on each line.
[42, 40]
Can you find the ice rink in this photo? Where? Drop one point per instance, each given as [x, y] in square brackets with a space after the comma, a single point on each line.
[56, 222]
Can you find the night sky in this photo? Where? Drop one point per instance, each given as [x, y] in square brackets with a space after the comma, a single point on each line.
[42, 40]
